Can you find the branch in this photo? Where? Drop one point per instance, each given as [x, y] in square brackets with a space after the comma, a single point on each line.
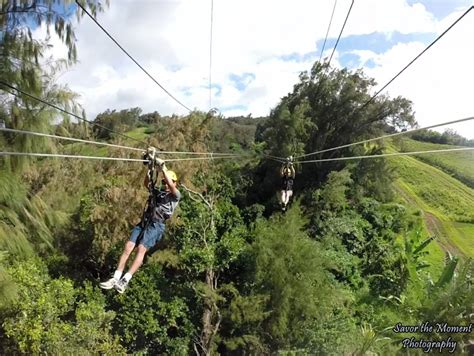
[199, 195]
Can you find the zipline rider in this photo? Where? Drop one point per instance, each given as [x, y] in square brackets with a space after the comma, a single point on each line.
[287, 174]
[160, 207]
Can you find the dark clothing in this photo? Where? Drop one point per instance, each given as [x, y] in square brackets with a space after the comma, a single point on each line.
[286, 183]
[165, 205]
[161, 206]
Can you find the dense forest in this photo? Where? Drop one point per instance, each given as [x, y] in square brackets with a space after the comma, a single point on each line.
[340, 273]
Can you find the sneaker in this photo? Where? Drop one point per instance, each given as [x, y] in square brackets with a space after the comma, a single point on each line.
[109, 284]
[121, 285]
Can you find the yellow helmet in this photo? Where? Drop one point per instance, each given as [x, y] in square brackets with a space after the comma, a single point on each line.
[172, 175]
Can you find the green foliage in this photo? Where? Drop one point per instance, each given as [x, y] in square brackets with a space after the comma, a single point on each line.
[437, 189]
[25, 219]
[111, 120]
[153, 319]
[448, 137]
[100, 226]
[301, 293]
[325, 110]
[373, 178]
[415, 251]
[459, 165]
[20, 56]
[368, 231]
[8, 290]
[236, 133]
[51, 316]
[210, 235]
[451, 300]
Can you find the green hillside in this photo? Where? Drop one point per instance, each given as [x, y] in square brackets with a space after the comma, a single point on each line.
[445, 201]
[460, 165]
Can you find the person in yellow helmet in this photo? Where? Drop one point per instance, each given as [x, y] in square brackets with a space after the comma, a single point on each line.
[287, 173]
[162, 204]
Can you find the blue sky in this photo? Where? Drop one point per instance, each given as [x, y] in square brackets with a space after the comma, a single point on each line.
[441, 8]
[257, 58]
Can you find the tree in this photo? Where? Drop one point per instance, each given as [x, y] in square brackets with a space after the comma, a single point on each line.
[111, 120]
[209, 238]
[22, 65]
[306, 308]
[51, 316]
[328, 109]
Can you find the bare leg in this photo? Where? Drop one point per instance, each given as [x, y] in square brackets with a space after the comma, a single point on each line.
[129, 246]
[137, 262]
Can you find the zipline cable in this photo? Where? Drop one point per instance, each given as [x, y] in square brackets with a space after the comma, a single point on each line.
[69, 156]
[66, 112]
[210, 56]
[109, 144]
[327, 32]
[418, 56]
[68, 138]
[390, 135]
[388, 155]
[326, 66]
[130, 56]
[104, 158]
[197, 158]
[389, 82]
[340, 33]
[275, 158]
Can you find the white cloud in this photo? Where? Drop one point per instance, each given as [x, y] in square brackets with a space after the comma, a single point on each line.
[171, 40]
[439, 82]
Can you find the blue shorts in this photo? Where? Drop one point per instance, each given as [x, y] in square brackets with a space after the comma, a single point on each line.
[153, 234]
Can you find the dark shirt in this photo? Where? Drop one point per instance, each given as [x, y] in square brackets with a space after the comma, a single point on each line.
[287, 183]
[166, 203]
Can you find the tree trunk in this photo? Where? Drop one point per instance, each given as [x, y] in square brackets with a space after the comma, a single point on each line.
[211, 317]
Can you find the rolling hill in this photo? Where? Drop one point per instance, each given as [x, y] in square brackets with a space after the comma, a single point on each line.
[435, 184]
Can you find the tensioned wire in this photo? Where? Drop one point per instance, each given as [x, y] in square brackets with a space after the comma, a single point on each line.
[65, 111]
[327, 32]
[388, 83]
[92, 123]
[418, 56]
[106, 158]
[340, 33]
[109, 144]
[389, 155]
[69, 156]
[390, 135]
[210, 55]
[68, 138]
[130, 56]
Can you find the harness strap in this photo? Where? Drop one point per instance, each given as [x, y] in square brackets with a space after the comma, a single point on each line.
[151, 202]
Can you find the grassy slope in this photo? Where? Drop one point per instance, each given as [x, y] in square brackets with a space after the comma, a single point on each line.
[460, 165]
[445, 201]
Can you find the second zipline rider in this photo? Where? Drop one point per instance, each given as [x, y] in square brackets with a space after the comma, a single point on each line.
[287, 174]
[160, 207]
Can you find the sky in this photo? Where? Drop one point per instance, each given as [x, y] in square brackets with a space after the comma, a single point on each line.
[260, 47]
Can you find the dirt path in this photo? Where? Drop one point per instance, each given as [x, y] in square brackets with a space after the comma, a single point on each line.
[435, 227]
[433, 224]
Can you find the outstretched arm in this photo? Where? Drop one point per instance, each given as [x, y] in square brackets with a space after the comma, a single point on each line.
[166, 177]
[169, 181]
